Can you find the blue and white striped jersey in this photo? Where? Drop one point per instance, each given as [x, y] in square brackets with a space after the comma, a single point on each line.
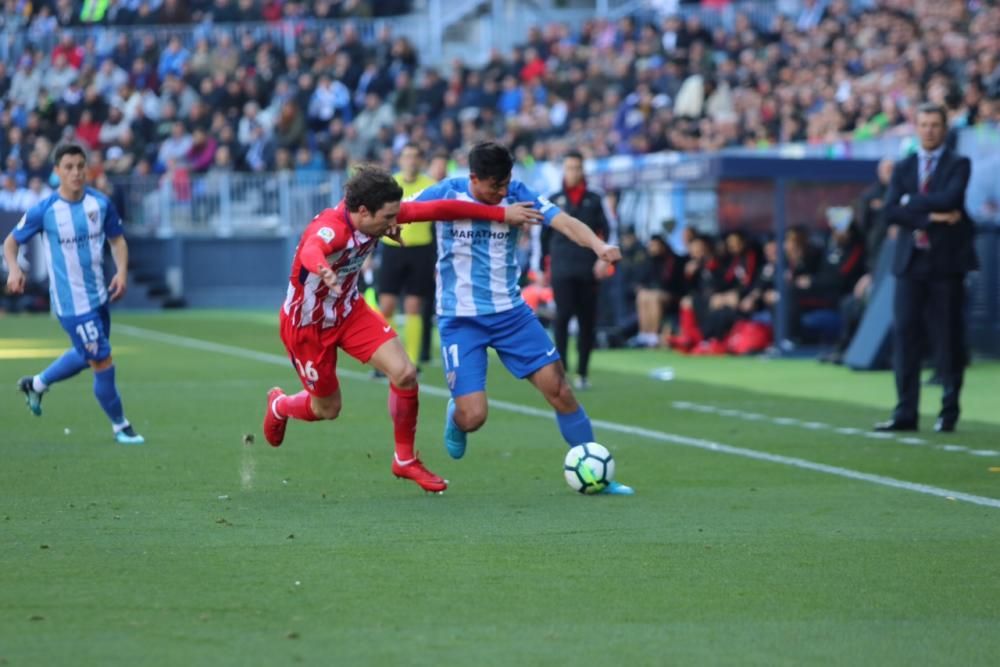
[73, 234]
[477, 269]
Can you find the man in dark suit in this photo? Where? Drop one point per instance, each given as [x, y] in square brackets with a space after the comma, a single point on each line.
[934, 251]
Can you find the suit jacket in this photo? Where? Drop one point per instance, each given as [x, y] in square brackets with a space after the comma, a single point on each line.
[952, 252]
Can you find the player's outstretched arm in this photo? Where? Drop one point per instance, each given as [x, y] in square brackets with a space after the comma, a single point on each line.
[582, 235]
[15, 279]
[454, 209]
[119, 252]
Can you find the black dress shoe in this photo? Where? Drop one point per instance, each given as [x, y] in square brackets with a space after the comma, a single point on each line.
[895, 425]
[943, 425]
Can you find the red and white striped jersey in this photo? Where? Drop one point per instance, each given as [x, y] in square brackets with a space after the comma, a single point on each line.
[309, 301]
[332, 238]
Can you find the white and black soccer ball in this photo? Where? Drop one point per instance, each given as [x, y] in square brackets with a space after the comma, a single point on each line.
[589, 467]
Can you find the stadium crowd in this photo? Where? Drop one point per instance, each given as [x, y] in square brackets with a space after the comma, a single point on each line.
[147, 102]
[150, 103]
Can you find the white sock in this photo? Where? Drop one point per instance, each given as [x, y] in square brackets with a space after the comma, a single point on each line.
[121, 427]
[38, 385]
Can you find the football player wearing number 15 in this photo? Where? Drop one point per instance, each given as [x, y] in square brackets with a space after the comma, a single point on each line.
[324, 311]
[74, 223]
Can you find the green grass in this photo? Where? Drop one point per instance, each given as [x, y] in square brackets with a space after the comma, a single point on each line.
[196, 549]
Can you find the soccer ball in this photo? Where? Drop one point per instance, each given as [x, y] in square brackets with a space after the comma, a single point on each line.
[589, 467]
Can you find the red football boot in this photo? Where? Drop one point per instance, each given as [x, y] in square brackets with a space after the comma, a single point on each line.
[414, 470]
[274, 426]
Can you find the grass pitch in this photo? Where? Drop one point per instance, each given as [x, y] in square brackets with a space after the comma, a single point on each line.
[198, 549]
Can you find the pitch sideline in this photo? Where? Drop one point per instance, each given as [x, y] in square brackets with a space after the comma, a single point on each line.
[661, 436]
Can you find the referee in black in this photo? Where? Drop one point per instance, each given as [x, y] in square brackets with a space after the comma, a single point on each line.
[575, 270]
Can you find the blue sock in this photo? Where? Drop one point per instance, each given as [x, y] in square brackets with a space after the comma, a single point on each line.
[63, 368]
[107, 395]
[575, 427]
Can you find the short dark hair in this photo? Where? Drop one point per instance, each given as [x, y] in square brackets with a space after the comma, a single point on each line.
[373, 187]
[413, 146]
[573, 155]
[932, 107]
[490, 161]
[68, 149]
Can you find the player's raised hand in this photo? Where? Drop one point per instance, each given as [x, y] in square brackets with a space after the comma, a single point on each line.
[15, 280]
[395, 232]
[329, 279]
[522, 213]
[118, 286]
[609, 253]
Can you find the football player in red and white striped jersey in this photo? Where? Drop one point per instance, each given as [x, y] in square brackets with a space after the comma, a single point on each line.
[324, 311]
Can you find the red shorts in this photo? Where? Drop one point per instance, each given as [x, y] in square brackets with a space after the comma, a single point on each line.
[313, 350]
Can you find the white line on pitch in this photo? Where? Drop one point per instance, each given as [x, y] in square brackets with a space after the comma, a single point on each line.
[661, 436]
[818, 426]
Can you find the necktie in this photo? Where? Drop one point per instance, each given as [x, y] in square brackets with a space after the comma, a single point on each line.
[928, 170]
[920, 238]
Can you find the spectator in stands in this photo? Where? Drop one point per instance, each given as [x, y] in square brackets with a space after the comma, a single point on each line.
[290, 126]
[329, 99]
[26, 82]
[59, 76]
[10, 200]
[113, 128]
[176, 147]
[201, 155]
[259, 155]
[88, 130]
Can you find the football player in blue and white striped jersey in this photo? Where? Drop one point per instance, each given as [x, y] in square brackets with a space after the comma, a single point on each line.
[479, 303]
[75, 222]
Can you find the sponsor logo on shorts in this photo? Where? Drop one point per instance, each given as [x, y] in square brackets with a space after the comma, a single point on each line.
[91, 348]
[450, 379]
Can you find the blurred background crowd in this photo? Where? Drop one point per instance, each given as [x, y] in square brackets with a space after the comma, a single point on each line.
[147, 102]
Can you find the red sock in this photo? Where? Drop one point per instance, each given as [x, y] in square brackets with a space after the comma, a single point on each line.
[403, 405]
[297, 406]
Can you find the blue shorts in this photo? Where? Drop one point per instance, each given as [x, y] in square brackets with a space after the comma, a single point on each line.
[518, 337]
[90, 333]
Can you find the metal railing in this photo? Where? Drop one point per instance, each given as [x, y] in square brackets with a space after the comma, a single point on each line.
[224, 203]
[228, 203]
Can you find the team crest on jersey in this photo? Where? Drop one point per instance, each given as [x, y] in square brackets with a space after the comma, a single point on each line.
[326, 234]
[92, 216]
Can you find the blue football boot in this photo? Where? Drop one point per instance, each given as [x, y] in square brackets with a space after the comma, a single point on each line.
[455, 438]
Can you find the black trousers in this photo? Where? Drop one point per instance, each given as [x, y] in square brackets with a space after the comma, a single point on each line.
[576, 297]
[933, 307]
